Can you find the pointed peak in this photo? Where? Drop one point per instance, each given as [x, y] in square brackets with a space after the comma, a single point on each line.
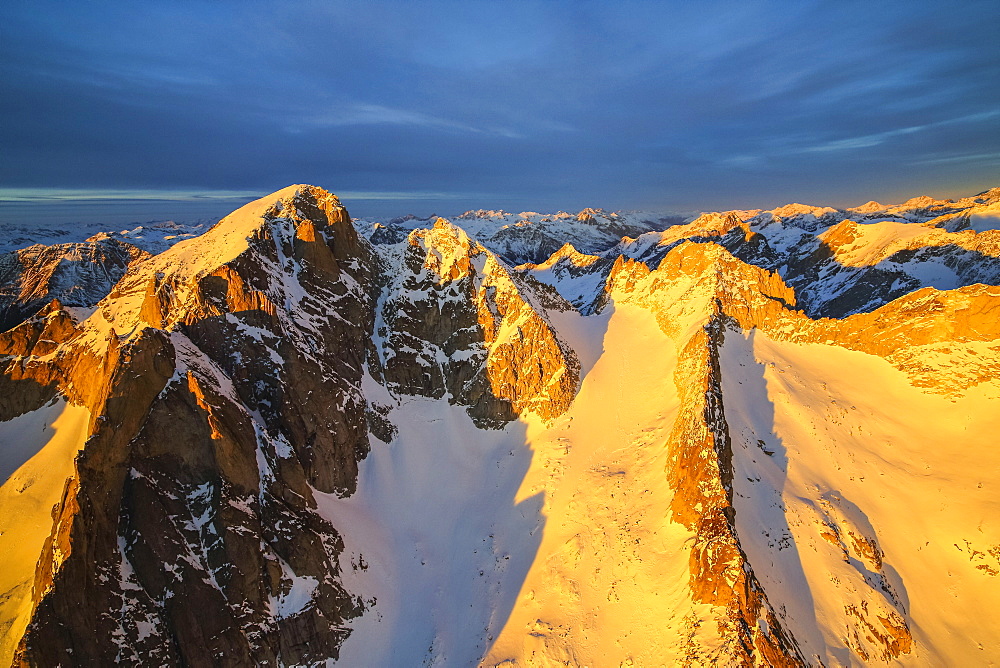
[988, 196]
[796, 209]
[306, 201]
[923, 202]
[567, 254]
[566, 250]
[445, 236]
[288, 202]
[445, 233]
[732, 218]
[298, 210]
[296, 202]
[589, 214]
[869, 207]
[843, 233]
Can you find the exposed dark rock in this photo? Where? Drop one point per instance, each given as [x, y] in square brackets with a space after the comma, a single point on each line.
[78, 274]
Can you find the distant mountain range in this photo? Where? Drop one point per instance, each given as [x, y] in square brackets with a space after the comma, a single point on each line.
[752, 437]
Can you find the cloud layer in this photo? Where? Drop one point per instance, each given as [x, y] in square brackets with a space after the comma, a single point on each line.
[443, 106]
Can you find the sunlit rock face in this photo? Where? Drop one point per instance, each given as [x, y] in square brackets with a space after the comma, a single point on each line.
[223, 380]
[759, 438]
[78, 274]
[456, 322]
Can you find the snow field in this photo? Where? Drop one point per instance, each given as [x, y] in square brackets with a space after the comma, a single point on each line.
[36, 459]
[538, 544]
[875, 495]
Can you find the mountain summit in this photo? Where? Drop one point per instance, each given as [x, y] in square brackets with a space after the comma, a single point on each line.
[734, 438]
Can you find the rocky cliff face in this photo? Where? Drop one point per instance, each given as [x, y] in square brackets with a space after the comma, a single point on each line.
[223, 379]
[211, 462]
[77, 274]
[455, 322]
[701, 295]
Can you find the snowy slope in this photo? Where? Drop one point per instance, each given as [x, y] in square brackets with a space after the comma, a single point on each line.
[609, 583]
[864, 501]
[35, 462]
[537, 543]
[435, 539]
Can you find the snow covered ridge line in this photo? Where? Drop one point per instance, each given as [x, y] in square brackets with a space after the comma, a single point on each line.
[530, 236]
[279, 443]
[153, 236]
[839, 261]
[533, 237]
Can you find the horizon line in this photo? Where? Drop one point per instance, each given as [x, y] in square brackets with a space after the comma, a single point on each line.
[56, 195]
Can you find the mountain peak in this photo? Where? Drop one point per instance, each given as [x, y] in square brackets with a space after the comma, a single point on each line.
[290, 202]
[796, 209]
[924, 201]
[868, 207]
[571, 255]
[308, 209]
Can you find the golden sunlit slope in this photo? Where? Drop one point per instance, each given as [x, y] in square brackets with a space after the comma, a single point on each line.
[855, 505]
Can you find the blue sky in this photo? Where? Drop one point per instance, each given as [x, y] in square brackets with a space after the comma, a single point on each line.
[178, 109]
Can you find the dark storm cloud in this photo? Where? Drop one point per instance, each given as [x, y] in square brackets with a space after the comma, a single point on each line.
[514, 105]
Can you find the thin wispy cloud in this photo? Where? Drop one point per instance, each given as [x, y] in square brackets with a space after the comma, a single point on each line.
[377, 114]
[866, 141]
[984, 158]
[854, 143]
[849, 144]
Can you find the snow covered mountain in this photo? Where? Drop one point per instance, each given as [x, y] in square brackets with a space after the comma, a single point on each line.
[78, 274]
[530, 236]
[78, 265]
[153, 237]
[738, 438]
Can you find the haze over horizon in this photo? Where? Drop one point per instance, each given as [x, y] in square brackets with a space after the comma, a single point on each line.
[188, 110]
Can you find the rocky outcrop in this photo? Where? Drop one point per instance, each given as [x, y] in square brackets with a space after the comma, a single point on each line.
[77, 274]
[223, 377]
[701, 472]
[693, 293]
[27, 383]
[456, 322]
